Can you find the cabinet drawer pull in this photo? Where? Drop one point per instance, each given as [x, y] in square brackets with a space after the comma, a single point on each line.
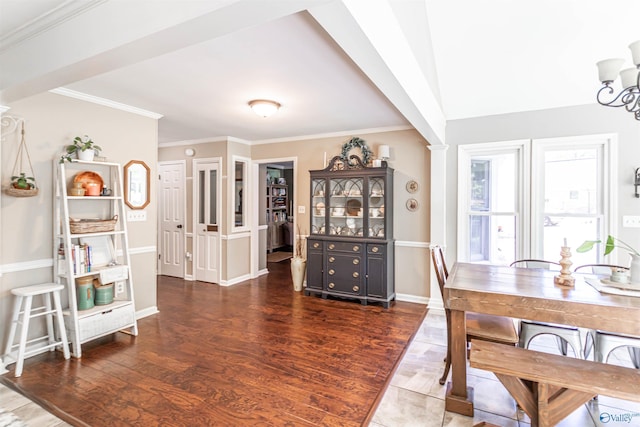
[356, 248]
[332, 285]
[331, 259]
[332, 272]
[332, 246]
[356, 274]
[375, 249]
[356, 261]
[356, 288]
[316, 245]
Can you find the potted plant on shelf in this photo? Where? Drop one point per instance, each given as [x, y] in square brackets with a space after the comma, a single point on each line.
[298, 263]
[84, 149]
[610, 245]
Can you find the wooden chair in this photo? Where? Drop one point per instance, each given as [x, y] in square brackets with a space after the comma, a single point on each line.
[483, 327]
[565, 335]
[606, 342]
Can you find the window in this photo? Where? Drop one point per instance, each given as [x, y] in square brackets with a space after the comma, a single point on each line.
[239, 193]
[570, 197]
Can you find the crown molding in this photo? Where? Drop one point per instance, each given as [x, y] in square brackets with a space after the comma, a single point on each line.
[105, 102]
[48, 20]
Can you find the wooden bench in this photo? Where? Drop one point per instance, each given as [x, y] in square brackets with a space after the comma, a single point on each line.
[549, 387]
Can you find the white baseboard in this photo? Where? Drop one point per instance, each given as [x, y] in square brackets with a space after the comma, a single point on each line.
[412, 298]
[235, 280]
[146, 312]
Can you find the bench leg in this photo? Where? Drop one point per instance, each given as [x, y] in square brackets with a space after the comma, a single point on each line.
[546, 405]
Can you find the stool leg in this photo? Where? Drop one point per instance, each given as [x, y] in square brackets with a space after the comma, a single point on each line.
[26, 316]
[60, 320]
[17, 304]
[49, 319]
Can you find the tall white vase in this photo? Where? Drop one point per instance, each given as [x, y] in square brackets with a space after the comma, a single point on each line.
[634, 268]
[298, 270]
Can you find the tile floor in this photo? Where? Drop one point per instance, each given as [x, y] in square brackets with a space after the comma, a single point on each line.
[415, 398]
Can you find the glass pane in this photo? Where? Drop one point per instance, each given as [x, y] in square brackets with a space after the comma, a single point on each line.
[213, 196]
[318, 213]
[492, 239]
[376, 208]
[201, 199]
[239, 188]
[571, 181]
[493, 183]
[576, 231]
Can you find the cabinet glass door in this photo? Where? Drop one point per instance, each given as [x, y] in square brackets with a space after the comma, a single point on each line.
[318, 211]
[376, 207]
[345, 207]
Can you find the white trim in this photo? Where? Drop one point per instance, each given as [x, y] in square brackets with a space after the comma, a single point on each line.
[263, 227]
[26, 265]
[192, 142]
[412, 298]
[143, 250]
[235, 280]
[146, 312]
[105, 102]
[246, 196]
[332, 134]
[410, 244]
[465, 152]
[236, 236]
[262, 272]
[48, 20]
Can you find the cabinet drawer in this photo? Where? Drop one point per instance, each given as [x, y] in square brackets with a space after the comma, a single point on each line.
[350, 247]
[314, 245]
[106, 321]
[376, 249]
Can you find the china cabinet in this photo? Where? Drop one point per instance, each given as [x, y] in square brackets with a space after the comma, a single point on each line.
[350, 249]
[92, 252]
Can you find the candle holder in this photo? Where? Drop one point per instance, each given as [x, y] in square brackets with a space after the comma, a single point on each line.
[565, 278]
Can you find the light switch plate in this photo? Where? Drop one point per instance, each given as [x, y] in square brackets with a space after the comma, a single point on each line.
[301, 209]
[137, 215]
[631, 221]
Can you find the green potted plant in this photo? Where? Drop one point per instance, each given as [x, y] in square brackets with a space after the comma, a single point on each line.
[83, 147]
[23, 182]
[610, 245]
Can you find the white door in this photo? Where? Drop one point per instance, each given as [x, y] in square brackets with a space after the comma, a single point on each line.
[206, 229]
[171, 212]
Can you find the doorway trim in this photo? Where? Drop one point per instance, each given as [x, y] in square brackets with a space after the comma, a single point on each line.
[255, 207]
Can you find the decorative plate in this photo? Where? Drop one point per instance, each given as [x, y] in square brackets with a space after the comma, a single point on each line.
[412, 186]
[89, 177]
[412, 205]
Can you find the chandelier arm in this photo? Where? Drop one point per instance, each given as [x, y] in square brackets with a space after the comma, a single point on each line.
[620, 100]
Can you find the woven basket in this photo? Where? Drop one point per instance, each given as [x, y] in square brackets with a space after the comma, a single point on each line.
[17, 192]
[80, 226]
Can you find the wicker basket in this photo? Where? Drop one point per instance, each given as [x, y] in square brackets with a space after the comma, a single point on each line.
[17, 192]
[80, 226]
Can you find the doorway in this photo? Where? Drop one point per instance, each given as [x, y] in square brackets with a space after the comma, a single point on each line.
[274, 212]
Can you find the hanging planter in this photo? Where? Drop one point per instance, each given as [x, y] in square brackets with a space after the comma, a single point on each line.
[23, 182]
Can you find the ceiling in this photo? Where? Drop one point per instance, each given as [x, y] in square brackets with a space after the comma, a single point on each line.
[336, 66]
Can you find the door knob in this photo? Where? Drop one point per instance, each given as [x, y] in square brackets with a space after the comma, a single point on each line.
[179, 225]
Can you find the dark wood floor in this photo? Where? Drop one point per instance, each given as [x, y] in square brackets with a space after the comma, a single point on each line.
[255, 353]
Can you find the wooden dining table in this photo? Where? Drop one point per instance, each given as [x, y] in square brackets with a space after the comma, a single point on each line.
[523, 293]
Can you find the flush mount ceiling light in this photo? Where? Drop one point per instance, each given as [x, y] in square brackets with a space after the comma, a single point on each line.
[264, 107]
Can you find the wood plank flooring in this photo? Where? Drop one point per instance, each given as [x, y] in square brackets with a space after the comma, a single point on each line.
[255, 353]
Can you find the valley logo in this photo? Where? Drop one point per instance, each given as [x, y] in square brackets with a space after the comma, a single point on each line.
[606, 417]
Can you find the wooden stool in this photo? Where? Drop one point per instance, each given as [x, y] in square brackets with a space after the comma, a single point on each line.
[26, 294]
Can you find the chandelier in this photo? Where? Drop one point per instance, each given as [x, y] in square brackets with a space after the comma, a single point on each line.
[629, 97]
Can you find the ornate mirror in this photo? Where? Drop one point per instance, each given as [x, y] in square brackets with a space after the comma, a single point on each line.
[136, 184]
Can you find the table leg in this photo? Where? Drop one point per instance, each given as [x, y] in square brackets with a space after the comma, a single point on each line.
[459, 397]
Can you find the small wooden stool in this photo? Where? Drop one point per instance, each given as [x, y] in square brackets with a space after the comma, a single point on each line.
[26, 294]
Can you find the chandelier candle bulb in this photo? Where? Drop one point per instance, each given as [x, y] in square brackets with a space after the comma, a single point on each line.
[608, 69]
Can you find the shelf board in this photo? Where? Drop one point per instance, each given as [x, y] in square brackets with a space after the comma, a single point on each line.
[99, 308]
